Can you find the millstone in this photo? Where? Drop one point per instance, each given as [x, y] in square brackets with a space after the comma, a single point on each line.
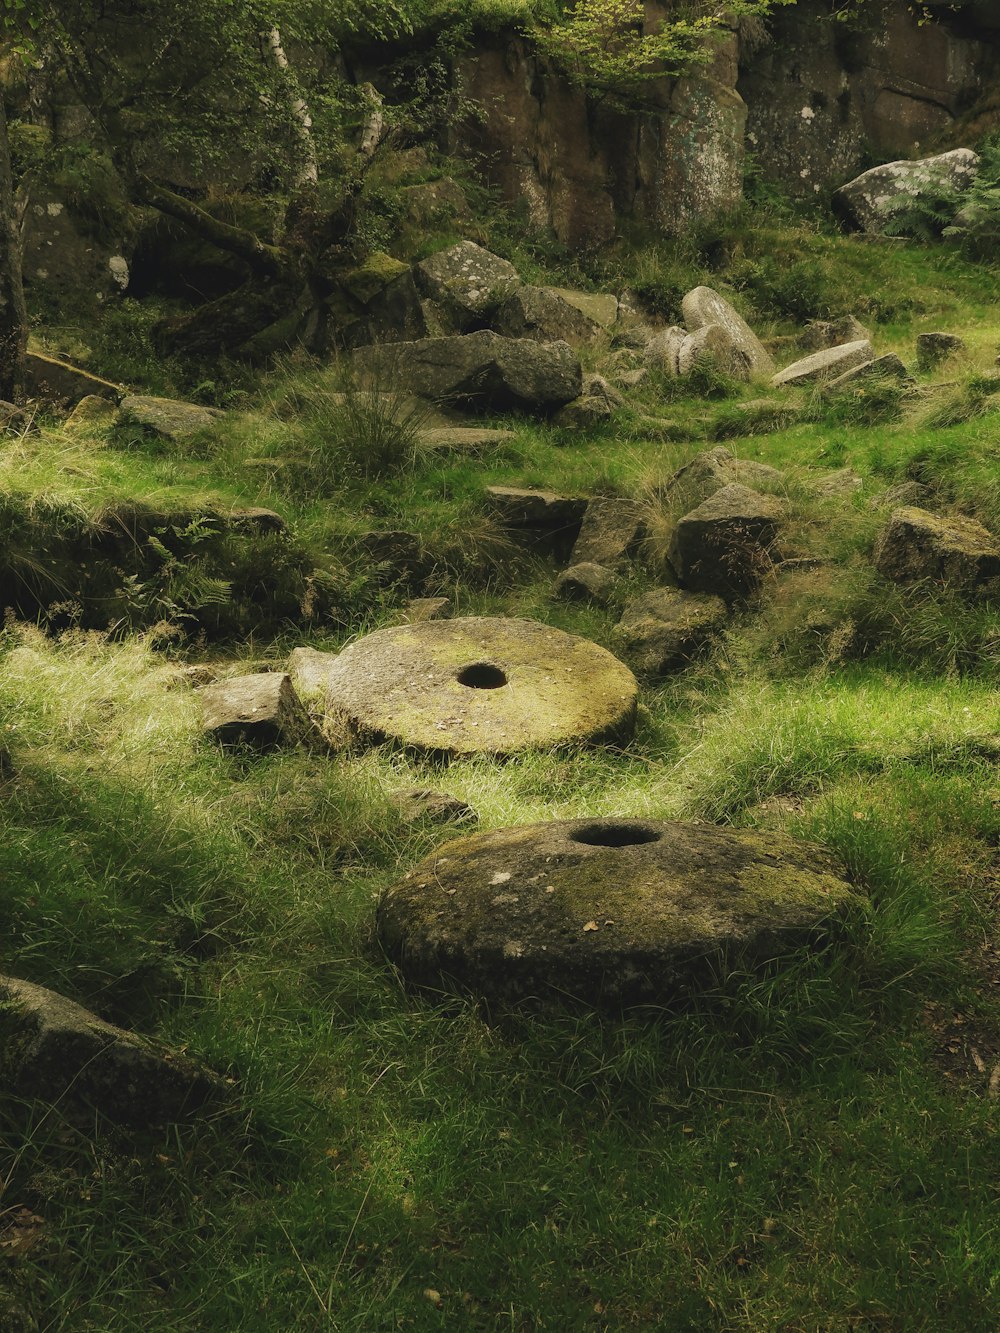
[482, 685]
[608, 910]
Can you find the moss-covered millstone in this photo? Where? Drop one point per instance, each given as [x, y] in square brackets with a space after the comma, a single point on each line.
[481, 685]
[608, 910]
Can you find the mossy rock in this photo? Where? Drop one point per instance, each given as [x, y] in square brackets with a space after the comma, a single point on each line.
[482, 685]
[609, 910]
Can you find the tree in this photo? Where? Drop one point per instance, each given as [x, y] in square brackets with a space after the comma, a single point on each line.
[13, 315]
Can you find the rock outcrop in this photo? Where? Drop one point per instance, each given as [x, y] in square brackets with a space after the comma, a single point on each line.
[883, 195]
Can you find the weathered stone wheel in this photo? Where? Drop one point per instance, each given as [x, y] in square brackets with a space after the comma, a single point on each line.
[482, 685]
[607, 910]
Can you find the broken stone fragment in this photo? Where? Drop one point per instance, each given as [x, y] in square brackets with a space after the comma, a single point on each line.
[746, 354]
[662, 351]
[916, 544]
[53, 1049]
[168, 418]
[665, 629]
[414, 804]
[722, 547]
[467, 282]
[609, 910]
[888, 367]
[261, 711]
[309, 672]
[825, 365]
[712, 347]
[820, 333]
[545, 517]
[91, 411]
[547, 314]
[586, 582]
[611, 532]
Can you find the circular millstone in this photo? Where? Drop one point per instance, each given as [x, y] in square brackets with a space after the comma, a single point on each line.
[482, 685]
[607, 910]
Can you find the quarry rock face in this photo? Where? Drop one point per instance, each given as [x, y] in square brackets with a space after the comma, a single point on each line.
[481, 685]
[608, 910]
[884, 194]
[916, 544]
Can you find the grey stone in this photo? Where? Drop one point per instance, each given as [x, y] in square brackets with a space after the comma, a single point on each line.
[420, 609]
[609, 910]
[261, 711]
[955, 551]
[662, 350]
[168, 418]
[546, 314]
[91, 411]
[597, 403]
[611, 532]
[540, 512]
[482, 685]
[825, 365]
[467, 282]
[586, 582]
[483, 371]
[665, 629]
[888, 367]
[712, 346]
[57, 381]
[821, 333]
[309, 672]
[703, 307]
[416, 804]
[463, 439]
[722, 546]
[935, 348]
[55, 1050]
[885, 194]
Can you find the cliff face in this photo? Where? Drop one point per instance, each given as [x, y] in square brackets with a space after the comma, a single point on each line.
[815, 102]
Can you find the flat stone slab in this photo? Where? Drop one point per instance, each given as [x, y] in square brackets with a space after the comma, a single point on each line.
[826, 365]
[463, 439]
[169, 418]
[608, 910]
[482, 685]
[916, 544]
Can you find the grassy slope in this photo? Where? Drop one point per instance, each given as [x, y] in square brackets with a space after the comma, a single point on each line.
[798, 1150]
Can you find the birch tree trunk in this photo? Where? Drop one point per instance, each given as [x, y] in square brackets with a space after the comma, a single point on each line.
[13, 315]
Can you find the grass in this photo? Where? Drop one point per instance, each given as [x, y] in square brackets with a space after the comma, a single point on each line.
[796, 1149]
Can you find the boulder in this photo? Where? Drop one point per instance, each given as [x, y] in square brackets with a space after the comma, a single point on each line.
[935, 348]
[463, 439]
[168, 418]
[256, 521]
[467, 282]
[545, 313]
[597, 403]
[665, 629]
[888, 367]
[586, 582]
[722, 546]
[416, 804]
[703, 307]
[825, 365]
[57, 381]
[609, 910]
[713, 469]
[885, 194]
[916, 544]
[611, 532]
[309, 672]
[544, 517]
[433, 202]
[55, 1050]
[483, 371]
[712, 347]
[821, 333]
[662, 350]
[481, 685]
[90, 412]
[384, 294]
[261, 711]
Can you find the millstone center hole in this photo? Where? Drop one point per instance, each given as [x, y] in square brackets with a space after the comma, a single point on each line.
[482, 676]
[614, 834]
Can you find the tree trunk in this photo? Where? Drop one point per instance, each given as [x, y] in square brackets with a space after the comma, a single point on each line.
[13, 314]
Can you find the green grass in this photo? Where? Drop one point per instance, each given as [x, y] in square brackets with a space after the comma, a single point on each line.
[794, 1149]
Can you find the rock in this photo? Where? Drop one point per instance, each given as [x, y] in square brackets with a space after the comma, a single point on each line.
[712, 347]
[384, 294]
[57, 381]
[722, 546]
[665, 629]
[414, 804]
[713, 469]
[597, 403]
[256, 520]
[611, 532]
[433, 201]
[917, 544]
[885, 194]
[825, 365]
[547, 518]
[703, 307]
[586, 582]
[545, 313]
[426, 608]
[631, 379]
[935, 348]
[91, 411]
[262, 711]
[821, 333]
[634, 337]
[483, 371]
[478, 685]
[463, 439]
[838, 485]
[907, 494]
[609, 910]
[168, 418]
[888, 367]
[662, 351]
[54, 1050]
[398, 556]
[600, 307]
[467, 282]
[12, 417]
[309, 672]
